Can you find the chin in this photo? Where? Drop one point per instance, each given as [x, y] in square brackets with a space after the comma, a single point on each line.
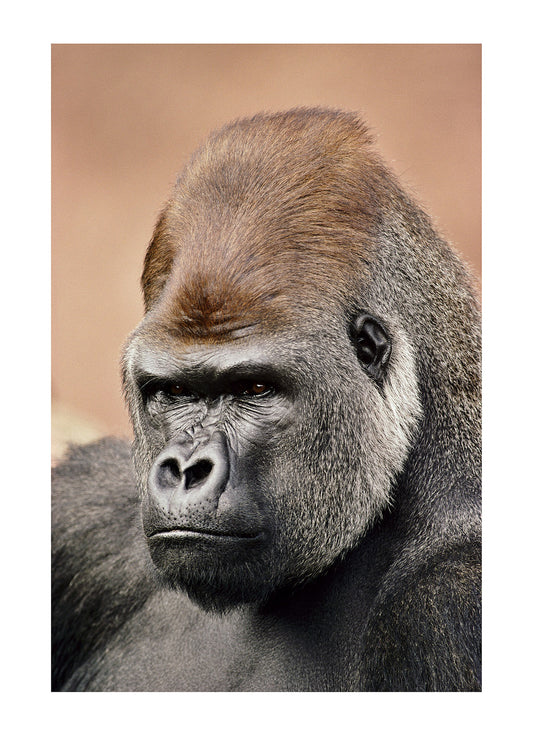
[218, 574]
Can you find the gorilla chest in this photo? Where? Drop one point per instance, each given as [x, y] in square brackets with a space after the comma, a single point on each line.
[173, 646]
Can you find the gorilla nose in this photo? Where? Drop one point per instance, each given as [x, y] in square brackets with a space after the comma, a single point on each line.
[171, 475]
[188, 477]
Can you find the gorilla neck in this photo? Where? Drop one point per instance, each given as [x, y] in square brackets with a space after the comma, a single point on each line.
[440, 485]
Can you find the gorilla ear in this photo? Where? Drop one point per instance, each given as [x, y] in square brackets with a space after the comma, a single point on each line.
[372, 344]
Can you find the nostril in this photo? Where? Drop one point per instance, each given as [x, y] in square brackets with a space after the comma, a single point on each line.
[197, 473]
[168, 474]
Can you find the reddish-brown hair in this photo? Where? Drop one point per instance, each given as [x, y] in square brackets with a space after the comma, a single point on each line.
[269, 206]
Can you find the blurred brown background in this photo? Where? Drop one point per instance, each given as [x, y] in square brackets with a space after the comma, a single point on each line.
[126, 117]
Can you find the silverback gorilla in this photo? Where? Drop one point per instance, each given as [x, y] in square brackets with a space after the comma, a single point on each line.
[304, 391]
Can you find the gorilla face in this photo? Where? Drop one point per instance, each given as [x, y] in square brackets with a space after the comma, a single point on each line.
[253, 454]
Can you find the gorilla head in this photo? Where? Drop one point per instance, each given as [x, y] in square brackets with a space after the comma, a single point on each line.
[272, 383]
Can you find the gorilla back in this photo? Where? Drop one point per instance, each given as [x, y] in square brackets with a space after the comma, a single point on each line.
[304, 392]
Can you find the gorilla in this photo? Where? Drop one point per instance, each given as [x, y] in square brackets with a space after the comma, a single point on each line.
[300, 509]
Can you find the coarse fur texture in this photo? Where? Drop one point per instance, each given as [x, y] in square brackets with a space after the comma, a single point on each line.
[305, 395]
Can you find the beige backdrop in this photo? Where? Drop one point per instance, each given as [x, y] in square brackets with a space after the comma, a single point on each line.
[124, 120]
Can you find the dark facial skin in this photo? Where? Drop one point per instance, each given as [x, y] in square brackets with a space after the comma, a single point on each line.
[219, 414]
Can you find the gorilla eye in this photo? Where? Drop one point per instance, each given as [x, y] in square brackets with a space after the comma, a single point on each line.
[258, 389]
[155, 390]
[175, 390]
[172, 390]
[250, 388]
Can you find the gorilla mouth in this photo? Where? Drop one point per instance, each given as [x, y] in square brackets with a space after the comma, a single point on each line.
[177, 534]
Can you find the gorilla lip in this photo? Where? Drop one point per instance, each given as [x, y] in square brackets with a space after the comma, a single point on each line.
[177, 534]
